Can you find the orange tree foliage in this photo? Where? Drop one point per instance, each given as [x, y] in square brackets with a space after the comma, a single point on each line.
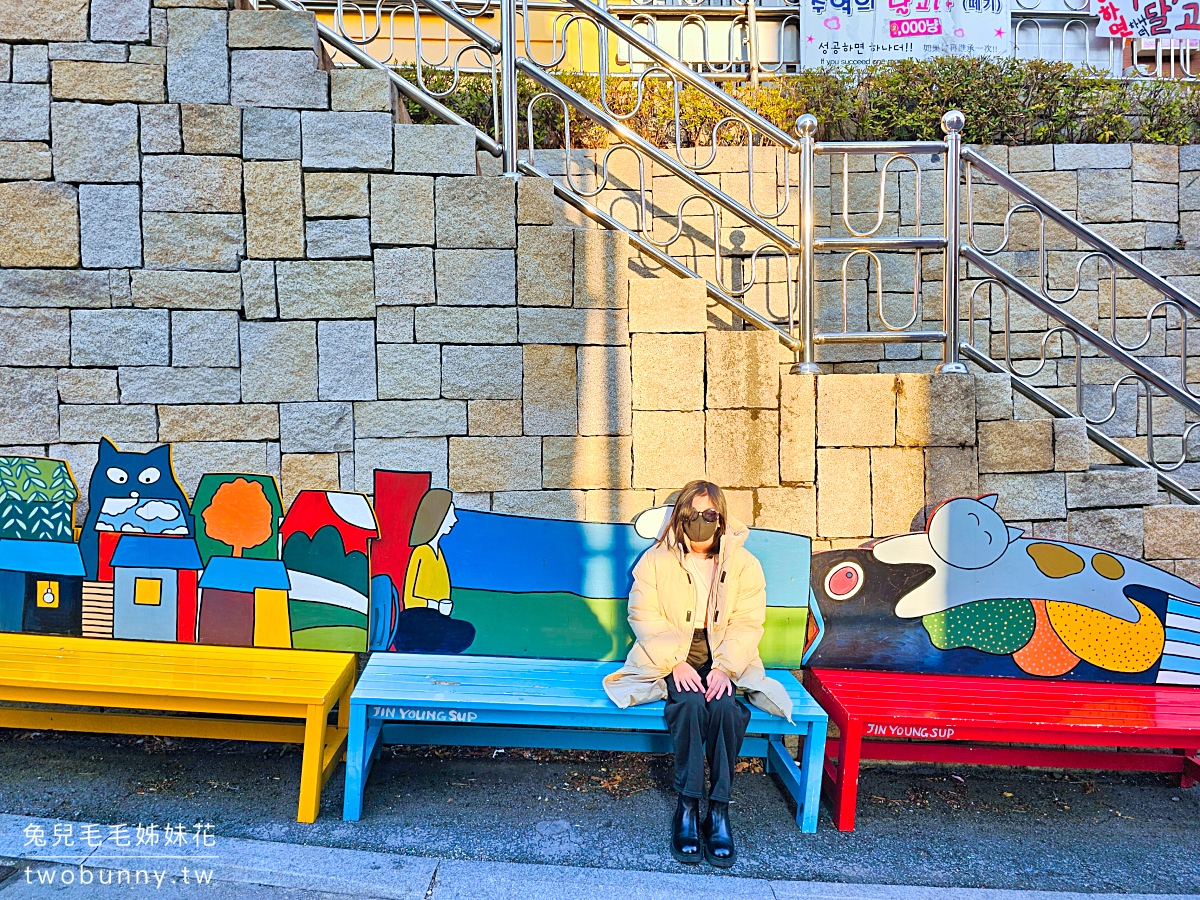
[239, 515]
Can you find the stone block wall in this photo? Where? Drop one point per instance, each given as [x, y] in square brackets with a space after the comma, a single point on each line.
[210, 237]
[1145, 199]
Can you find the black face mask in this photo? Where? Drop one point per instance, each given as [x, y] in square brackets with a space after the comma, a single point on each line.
[700, 528]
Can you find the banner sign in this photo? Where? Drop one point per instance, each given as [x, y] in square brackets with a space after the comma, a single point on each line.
[863, 31]
[1149, 19]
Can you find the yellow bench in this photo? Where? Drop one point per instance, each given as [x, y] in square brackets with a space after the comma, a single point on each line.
[185, 678]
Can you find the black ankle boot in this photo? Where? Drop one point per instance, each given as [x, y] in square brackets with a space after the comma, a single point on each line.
[685, 830]
[718, 837]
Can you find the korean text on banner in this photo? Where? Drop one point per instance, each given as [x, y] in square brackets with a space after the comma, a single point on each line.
[862, 31]
[1150, 19]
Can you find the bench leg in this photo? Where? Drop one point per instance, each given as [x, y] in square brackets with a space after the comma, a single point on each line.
[1191, 769]
[845, 788]
[312, 764]
[343, 720]
[811, 770]
[356, 764]
[779, 761]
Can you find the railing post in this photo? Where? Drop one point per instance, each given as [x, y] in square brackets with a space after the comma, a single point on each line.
[508, 85]
[806, 362]
[752, 30]
[952, 125]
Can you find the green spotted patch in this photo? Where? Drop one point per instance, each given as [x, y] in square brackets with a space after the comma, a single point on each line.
[994, 626]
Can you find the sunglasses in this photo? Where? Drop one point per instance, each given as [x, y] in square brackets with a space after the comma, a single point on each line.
[708, 515]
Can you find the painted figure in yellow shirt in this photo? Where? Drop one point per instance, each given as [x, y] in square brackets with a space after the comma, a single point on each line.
[427, 580]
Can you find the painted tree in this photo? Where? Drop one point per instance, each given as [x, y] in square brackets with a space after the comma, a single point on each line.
[239, 515]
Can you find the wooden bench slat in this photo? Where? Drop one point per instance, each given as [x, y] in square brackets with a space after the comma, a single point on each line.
[265, 689]
[148, 652]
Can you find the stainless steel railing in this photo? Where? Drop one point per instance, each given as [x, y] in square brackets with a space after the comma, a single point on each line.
[872, 241]
[1107, 373]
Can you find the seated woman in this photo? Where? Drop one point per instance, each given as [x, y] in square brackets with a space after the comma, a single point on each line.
[697, 609]
[427, 579]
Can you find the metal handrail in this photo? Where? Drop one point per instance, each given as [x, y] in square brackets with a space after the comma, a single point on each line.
[1097, 436]
[1079, 230]
[662, 58]
[678, 169]
[665, 260]
[1079, 328]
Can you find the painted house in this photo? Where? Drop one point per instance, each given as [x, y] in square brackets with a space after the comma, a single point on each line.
[155, 588]
[121, 516]
[41, 587]
[244, 603]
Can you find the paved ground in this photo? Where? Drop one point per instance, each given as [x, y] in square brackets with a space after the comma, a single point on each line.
[451, 810]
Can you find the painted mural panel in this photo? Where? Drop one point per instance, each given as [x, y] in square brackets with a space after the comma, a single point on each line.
[37, 499]
[149, 566]
[504, 585]
[968, 595]
[327, 537]
[237, 515]
[122, 483]
[413, 588]
[154, 588]
[971, 596]
[41, 571]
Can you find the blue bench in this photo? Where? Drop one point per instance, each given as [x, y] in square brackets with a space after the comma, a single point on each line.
[484, 701]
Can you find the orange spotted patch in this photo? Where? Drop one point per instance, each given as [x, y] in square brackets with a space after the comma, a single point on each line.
[1107, 641]
[1045, 654]
[1056, 561]
[1108, 566]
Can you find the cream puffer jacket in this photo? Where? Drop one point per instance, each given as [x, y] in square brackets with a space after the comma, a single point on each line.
[659, 604]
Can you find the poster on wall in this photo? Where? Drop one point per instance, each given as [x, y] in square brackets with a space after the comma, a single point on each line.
[1150, 19]
[839, 32]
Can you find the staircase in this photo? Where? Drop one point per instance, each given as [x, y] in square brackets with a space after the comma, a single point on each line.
[755, 241]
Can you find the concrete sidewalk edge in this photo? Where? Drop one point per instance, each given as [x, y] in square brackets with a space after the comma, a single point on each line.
[391, 876]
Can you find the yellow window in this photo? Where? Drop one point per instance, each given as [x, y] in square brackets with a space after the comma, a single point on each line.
[47, 595]
[147, 591]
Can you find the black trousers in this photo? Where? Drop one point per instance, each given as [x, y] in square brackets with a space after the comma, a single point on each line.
[700, 729]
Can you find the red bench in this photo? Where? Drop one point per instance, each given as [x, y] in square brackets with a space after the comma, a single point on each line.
[956, 719]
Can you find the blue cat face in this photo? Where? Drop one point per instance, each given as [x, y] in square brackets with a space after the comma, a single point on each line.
[123, 474]
[134, 475]
[120, 483]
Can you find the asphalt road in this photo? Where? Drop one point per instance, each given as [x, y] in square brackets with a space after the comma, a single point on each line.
[952, 826]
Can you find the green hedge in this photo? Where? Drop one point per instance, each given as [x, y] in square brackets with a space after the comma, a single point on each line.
[1005, 101]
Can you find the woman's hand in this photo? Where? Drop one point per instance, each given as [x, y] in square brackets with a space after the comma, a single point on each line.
[718, 685]
[686, 677]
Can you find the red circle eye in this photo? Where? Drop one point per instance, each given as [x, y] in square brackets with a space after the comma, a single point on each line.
[844, 581]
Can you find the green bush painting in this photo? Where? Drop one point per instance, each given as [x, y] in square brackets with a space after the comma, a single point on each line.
[37, 499]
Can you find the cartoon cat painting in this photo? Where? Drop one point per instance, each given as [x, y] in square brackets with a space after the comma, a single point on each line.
[122, 481]
[971, 595]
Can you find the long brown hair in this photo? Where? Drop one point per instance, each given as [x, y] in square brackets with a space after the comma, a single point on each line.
[431, 513]
[683, 506]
